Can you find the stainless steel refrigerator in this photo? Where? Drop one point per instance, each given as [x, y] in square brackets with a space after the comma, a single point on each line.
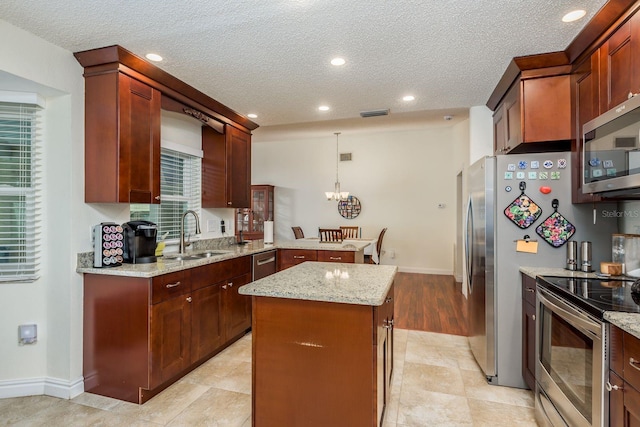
[492, 262]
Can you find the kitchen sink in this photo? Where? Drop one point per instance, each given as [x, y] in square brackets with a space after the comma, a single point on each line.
[191, 257]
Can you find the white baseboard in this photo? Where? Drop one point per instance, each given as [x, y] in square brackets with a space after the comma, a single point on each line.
[425, 270]
[55, 387]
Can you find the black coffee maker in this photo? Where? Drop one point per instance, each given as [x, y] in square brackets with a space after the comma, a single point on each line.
[139, 242]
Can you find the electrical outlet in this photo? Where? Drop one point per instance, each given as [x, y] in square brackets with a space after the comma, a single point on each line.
[222, 227]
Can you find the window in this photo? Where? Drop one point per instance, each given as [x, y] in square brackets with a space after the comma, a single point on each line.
[180, 179]
[19, 192]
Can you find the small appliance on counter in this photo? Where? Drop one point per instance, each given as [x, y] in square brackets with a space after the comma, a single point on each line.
[107, 245]
[139, 242]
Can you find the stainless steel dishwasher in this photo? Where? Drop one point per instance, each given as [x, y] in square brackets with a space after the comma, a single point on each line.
[264, 264]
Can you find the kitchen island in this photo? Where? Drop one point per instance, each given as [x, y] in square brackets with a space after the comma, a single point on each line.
[322, 345]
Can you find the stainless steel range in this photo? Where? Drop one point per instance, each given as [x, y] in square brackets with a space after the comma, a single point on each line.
[571, 347]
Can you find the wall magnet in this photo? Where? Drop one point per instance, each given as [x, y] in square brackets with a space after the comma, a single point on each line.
[545, 190]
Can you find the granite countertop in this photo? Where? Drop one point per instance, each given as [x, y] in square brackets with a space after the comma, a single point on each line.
[314, 244]
[362, 284]
[629, 322]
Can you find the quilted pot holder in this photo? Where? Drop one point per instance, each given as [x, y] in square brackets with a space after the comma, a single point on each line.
[523, 211]
[556, 230]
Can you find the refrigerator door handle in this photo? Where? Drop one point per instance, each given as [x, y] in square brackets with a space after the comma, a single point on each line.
[469, 243]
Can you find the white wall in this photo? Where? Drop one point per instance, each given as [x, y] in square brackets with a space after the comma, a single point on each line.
[481, 132]
[400, 177]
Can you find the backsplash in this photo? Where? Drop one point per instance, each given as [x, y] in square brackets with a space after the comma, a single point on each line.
[628, 214]
[85, 259]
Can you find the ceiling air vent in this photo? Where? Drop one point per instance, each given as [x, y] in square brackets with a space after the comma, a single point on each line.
[345, 157]
[374, 113]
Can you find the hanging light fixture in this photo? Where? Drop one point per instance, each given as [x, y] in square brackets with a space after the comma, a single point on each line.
[336, 194]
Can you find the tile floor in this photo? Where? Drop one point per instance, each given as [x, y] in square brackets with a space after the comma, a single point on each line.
[436, 382]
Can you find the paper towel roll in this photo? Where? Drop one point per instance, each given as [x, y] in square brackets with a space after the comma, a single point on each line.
[268, 231]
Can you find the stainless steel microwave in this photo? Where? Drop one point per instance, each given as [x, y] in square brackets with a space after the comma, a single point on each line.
[612, 151]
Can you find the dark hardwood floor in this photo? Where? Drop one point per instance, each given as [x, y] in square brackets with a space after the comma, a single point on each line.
[430, 302]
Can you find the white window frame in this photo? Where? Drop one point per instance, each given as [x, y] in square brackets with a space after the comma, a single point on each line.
[20, 244]
[168, 217]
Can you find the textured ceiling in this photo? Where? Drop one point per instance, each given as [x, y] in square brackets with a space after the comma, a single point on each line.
[272, 57]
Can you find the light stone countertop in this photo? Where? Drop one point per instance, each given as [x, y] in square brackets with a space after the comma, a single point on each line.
[629, 322]
[362, 284]
[166, 265]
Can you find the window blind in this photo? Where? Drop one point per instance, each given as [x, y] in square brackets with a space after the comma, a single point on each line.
[180, 188]
[20, 198]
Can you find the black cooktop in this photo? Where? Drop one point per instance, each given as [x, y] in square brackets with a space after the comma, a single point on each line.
[595, 295]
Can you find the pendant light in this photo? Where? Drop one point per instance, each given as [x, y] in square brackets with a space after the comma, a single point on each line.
[336, 194]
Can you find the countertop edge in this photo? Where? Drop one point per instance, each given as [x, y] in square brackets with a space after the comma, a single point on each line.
[628, 322]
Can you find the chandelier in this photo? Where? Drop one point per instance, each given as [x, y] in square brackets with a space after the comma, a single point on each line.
[336, 194]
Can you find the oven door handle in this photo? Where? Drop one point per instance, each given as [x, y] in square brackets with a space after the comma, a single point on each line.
[574, 316]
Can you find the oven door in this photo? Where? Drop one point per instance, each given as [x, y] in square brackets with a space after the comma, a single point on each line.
[569, 365]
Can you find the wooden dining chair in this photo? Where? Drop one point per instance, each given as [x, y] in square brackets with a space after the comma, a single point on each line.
[330, 235]
[297, 232]
[349, 232]
[369, 259]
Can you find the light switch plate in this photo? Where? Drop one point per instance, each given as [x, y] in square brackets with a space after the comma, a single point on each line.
[27, 334]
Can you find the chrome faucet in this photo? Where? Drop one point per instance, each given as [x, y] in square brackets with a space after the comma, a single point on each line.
[183, 245]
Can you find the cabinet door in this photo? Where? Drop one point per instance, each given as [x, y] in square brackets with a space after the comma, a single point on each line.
[631, 412]
[616, 400]
[207, 333]
[513, 117]
[170, 338]
[619, 62]
[529, 344]
[122, 140]
[587, 103]
[226, 168]
[546, 109]
[499, 131]
[237, 308]
[238, 168]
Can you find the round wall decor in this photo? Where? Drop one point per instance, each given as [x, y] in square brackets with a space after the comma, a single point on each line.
[350, 207]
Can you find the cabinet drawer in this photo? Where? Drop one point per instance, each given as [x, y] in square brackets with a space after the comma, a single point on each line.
[169, 285]
[529, 289]
[297, 256]
[632, 360]
[336, 256]
[219, 271]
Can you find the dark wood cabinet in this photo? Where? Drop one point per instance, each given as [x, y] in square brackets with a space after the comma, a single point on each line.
[529, 331]
[290, 257]
[619, 64]
[226, 168]
[122, 140]
[624, 379]
[141, 335]
[251, 220]
[585, 92]
[336, 256]
[324, 363]
[536, 110]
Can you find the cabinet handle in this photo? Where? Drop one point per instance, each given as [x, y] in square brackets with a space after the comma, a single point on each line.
[610, 387]
[157, 197]
[298, 257]
[335, 258]
[229, 203]
[224, 286]
[389, 299]
[266, 261]
[531, 290]
[533, 317]
[635, 364]
[189, 299]
[172, 285]
[230, 284]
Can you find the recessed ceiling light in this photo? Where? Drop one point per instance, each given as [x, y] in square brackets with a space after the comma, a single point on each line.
[252, 116]
[153, 57]
[323, 108]
[574, 15]
[408, 98]
[337, 61]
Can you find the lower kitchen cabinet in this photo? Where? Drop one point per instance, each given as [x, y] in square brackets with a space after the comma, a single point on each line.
[143, 334]
[290, 257]
[624, 379]
[529, 331]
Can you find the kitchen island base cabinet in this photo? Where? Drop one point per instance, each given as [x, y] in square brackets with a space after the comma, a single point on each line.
[320, 363]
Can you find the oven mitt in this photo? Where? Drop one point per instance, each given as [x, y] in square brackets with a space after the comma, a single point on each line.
[556, 230]
[523, 211]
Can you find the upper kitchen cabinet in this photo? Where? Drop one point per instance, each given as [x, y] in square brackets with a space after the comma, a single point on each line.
[585, 92]
[226, 168]
[620, 64]
[535, 113]
[124, 96]
[122, 140]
